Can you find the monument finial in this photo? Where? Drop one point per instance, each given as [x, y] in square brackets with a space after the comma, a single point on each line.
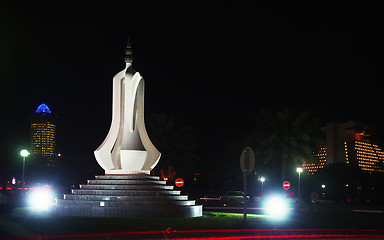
[128, 53]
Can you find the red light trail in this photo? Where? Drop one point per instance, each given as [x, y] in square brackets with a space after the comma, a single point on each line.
[234, 234]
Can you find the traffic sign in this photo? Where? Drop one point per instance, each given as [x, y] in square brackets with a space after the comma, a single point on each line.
[179, 182]
[247, 160]
[286, 185]
[247, 163]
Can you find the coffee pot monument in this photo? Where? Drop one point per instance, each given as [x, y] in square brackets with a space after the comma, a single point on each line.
[127, 156]
[127, 148]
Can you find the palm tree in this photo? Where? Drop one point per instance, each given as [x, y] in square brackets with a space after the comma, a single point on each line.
[285, 138]
[175, 142]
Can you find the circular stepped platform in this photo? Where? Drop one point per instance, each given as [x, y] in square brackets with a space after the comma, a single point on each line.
[126, 196]
[126, 177]
[125, 187]
[107, 203]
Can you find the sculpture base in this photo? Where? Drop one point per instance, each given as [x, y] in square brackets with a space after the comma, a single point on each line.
[127, 172]
[126, 196]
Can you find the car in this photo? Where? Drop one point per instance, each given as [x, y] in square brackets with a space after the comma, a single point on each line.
[210, 199]
[234, 198]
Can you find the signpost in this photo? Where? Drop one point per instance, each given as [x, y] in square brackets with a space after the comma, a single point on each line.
[179, 182]
[359, 187]
[247, 163]
[286, 185]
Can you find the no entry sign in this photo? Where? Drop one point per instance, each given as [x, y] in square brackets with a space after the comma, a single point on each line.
[179, 182]
[286, 185]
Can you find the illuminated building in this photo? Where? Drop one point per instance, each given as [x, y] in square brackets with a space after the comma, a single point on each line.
[349, 143]
[365, 155]
[43, 137]
[320, 156]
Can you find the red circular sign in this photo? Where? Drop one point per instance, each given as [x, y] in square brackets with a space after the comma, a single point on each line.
[179, 182]
[286, 185]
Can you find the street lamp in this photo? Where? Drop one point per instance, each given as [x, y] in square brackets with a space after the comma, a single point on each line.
[299, 170]
[323, 191]
[24, 153]
[262, 180]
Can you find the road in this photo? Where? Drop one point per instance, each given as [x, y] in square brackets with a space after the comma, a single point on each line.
[225, 234]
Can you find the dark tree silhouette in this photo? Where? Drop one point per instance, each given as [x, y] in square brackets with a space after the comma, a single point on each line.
[285, 139]
[175, 142]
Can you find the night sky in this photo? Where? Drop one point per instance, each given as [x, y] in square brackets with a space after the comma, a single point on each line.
[214, 65]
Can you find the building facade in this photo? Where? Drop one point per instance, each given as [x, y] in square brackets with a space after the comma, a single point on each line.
[349, 143]
[43, 137]
[320, 156]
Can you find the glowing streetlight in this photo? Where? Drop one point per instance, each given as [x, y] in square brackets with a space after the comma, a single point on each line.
[24, 153]
[262, 180]
[299, 170]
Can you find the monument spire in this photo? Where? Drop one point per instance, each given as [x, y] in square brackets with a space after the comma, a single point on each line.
[128, 53]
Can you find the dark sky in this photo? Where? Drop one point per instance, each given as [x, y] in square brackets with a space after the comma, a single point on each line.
[214, 65]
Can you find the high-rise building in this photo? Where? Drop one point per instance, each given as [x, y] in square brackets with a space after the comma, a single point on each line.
[349, 143]
[43, 137]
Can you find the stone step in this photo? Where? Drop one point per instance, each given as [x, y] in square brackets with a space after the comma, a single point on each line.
[130, 212]
[126, 177]
[125, 198]
[126, 182]
[125, 203]
[126, 192]
[125, 187]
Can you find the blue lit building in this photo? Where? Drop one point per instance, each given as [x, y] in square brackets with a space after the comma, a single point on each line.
[43, 138]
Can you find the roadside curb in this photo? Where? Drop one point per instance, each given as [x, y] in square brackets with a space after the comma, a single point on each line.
[367, 211]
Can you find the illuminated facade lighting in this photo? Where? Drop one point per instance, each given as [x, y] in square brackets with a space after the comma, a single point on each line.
[349, 143]
[43, 108]
[320, 156]
[367, 156]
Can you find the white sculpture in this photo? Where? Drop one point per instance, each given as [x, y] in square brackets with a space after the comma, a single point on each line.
[127, 148]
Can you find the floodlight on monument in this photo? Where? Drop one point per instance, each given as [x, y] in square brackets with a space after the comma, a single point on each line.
[276, 207]
[41, 199]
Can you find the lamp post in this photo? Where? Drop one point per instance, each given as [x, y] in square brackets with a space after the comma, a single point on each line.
[262, 180]
[24, 153]
[299, 170]
[323, 191]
